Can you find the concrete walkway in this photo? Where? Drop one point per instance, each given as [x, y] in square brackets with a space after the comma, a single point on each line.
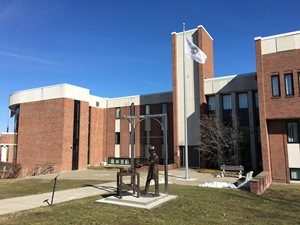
[16, 204]
[176, 176]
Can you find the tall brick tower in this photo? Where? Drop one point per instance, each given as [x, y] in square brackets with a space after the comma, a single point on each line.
[195, 75]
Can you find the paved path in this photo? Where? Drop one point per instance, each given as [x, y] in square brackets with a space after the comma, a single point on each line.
[16, 204]
[176, 176]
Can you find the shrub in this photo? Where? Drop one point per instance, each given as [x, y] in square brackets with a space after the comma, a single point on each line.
[9, 170]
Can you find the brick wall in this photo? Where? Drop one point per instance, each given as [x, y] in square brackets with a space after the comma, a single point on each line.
[97, 136]
[282, 107]
[41, 128]
[273, 137]
[67, 109]
[83, 135]
[110, 131]
[278, 146]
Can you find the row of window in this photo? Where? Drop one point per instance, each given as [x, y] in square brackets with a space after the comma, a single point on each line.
[164, 109]
[226, 101]
[288, 84]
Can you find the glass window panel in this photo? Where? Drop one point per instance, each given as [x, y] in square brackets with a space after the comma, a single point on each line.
[117, 138]
[288, 81]
[295, 174]
[292, 132]
[275, 85]
[226, 101]
[118, 113]
[243, 100]
[211, 103]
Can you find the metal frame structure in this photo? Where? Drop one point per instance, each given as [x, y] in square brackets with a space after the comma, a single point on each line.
[164, 126]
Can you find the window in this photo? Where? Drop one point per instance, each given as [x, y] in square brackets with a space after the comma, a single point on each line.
[117, 138]
[288, 83]
[295, 173]
[118, 113]
[211, 101]
[243, 100]
[293, 132]
[227, 112]
[147, 109]
[226, 102]
[4, 153]
[275, 86]
[243, 113]
[97, 104]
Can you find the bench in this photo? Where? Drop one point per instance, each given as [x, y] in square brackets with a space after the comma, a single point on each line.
[225, 168]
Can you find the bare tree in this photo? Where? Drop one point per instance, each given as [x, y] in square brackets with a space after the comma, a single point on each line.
[219, 141]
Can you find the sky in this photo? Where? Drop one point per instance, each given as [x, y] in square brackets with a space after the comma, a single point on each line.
[122, 48]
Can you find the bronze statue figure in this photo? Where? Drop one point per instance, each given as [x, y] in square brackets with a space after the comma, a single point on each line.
[152, 171]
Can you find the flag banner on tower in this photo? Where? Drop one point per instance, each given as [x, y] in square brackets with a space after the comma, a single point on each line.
[194, 52]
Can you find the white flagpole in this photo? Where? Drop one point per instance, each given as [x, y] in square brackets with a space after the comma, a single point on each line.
[184, 110]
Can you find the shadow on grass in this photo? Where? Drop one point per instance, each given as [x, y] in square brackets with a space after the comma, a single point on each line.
[103, 188]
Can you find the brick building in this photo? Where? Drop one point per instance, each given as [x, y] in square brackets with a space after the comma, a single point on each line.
[67, 128]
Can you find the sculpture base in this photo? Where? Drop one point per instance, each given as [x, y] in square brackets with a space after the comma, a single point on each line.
[145, 202]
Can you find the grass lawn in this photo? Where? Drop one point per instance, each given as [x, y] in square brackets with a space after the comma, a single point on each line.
[194, 205]
[15, 188]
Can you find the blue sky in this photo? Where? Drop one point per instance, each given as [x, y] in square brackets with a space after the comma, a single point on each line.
[120, 48]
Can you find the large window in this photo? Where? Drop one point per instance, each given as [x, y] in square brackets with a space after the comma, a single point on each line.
[211, 101]
[118, 113]
[293, 132]
[227, 117]
[288, 83]
[243, 109]
[226, 102]
[117, 138]
[295, 173]
[243, 100]
[275, 86]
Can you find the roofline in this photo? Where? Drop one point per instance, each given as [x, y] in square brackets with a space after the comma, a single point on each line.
[200, 26]
[277, 35]
[138, 96]
[48, 86]
[231, 76]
